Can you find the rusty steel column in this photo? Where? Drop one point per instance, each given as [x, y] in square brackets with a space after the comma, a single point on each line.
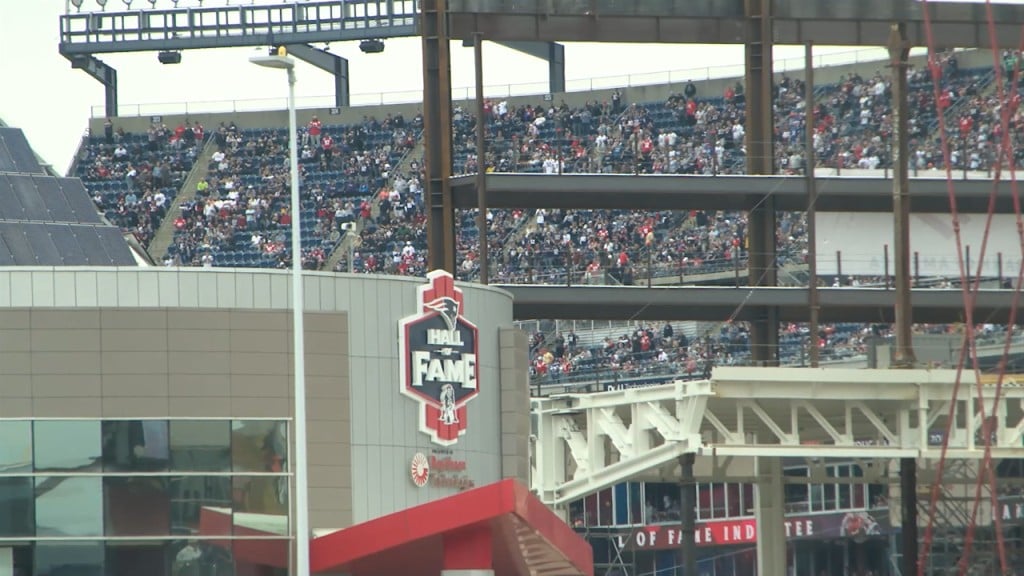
[812, 209]
[761, 222]
[437, 136]
[481, 159]
[899, 50]
[903, 356]
[688, 513]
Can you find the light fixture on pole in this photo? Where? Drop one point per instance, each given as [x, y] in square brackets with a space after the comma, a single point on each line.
[281, 61]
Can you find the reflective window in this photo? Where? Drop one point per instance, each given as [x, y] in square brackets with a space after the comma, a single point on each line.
[263, 557]
[16, 446]
[67, 445]
[135, 559]
[69, 559]
[261, 505]
[69, 506]
[200, 445]
[16, 508]
[124, 498]
[201, 558]
[135, 445]
[200, 501]
[259, 446]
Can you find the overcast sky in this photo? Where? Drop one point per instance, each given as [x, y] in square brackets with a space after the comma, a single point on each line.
[52, 102]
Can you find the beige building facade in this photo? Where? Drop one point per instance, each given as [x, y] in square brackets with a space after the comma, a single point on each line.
[146, 413]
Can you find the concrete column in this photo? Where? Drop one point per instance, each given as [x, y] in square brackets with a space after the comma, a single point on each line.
[770, 513]
[467, 552]
[6, 562]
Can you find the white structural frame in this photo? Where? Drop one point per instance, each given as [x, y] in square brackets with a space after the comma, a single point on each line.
[587, 442]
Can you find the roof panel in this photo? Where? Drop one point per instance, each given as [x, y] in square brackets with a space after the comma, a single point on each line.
[39, 240]
[67, 245]
[94, 250]
[6, 258]
[28, 196]
[114, 246]
[54, 199]
[14, 237]
[79, 200]
[18, 153]
[10, 206]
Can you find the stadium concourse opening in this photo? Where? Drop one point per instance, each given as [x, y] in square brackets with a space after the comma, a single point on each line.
[499, 529]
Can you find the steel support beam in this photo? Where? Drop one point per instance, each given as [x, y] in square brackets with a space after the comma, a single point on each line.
[551, 52]
[308, 22]
[739, 193]
[331, 63]
[716, 304]
[105, 74]
[862, 23]
[437, 135]
[812, 208]
[761, 221]
[481, 162]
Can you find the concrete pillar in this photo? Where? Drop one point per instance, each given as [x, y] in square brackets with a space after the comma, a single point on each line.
[770, 513]
[468, 552]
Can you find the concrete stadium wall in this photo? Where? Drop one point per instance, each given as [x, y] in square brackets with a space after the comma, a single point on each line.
[631, 94]
[187, 343]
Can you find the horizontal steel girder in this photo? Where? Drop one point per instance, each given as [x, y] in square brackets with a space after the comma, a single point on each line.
[232, 26]
[864, 22]
[718, 304]
[588, 442]
[684, 192]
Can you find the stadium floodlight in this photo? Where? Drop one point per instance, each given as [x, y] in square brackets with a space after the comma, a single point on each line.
[152, 3]
[102, 3]
[128, 3]
[281, 61]
[77, 4]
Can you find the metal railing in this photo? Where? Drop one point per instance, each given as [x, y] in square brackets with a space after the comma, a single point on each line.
[466, 93]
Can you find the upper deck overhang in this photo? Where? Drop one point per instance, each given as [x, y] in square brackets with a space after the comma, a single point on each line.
[707, 303]
[686, 192]
[861, 23]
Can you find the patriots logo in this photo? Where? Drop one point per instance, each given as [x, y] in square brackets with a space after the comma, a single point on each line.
[448, 308]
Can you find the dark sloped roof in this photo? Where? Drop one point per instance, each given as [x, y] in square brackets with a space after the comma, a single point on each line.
[15, 153]
[49, 221]
[62, 244]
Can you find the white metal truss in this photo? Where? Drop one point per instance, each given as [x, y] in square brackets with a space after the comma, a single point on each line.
[587, 442]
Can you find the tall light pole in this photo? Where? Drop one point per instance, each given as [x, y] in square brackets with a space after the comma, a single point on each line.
[284, 62]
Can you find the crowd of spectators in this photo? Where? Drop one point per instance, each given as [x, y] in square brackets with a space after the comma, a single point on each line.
[650, 353]
[240, 214]
[133, 178]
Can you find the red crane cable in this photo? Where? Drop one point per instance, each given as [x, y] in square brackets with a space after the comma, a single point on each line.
[969, 295]
[986, 471]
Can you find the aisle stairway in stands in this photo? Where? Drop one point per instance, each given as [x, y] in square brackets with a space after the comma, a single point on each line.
[200, 170]
[351, 240]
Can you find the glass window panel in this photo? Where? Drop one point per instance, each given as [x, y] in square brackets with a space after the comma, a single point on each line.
[137, 558]
[259, 446]
[125, 496]
[201, 505]
[69, 559]
[135, 445]
[201, 558]
[17, 508]
[732, 500]
[576, 516]
[69, 506]
[16, 446]
[261, 505]
[200, 445]
[263, 557]
[67, 445]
